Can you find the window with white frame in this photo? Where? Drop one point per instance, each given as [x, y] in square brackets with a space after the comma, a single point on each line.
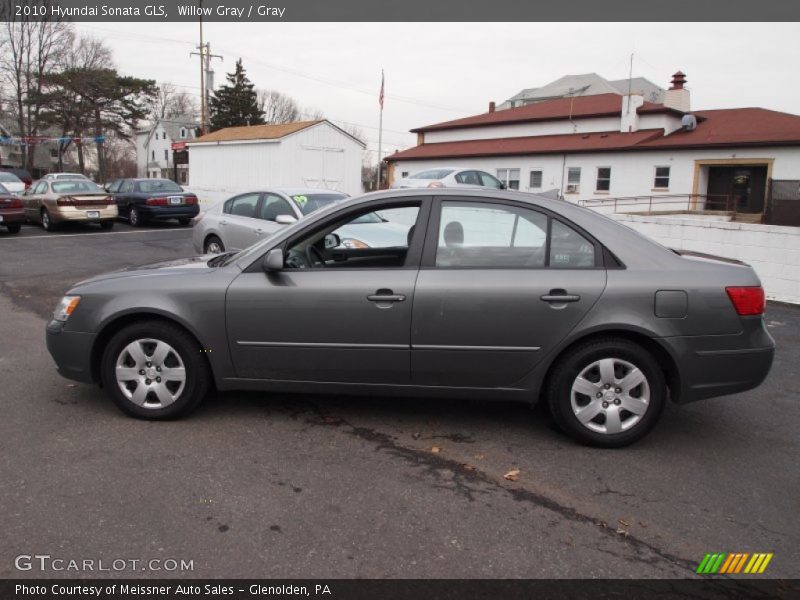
[535, 182]
[510, 177]
[166, 155]
[603, 179]
[404, 174]
[661, 179]
[573, 180]
[183, 132]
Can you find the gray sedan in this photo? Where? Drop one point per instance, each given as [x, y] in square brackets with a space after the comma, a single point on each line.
[246, 218]
[496, 295]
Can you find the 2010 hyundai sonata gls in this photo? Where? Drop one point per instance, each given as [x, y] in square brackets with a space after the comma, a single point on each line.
[489, 294]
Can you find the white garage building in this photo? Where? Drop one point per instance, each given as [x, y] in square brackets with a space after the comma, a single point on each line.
[299, 154]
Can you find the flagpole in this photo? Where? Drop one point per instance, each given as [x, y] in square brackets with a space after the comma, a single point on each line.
[380, 138]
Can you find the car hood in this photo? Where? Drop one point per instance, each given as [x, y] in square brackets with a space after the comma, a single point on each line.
[176, 267]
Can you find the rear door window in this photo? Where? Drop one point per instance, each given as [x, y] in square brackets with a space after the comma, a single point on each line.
[243, 206]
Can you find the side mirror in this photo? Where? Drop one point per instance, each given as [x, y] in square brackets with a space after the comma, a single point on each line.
[332, 240]
[285, 219]
[273, 261]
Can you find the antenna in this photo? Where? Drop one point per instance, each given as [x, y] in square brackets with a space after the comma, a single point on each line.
[630, 85]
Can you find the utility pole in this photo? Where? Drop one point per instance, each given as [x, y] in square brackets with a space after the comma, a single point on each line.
[206, 75]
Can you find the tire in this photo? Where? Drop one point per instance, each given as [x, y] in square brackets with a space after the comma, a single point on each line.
[14, 228]
[184, 221]
[213, 245]
[107, 224]
[47, 222]
[134, 218]
[624, 413]
[167, 346]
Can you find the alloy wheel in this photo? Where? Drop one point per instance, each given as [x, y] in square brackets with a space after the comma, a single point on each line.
[150, 373]
[610, 396]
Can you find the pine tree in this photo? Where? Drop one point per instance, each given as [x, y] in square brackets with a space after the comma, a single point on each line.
[235, 103]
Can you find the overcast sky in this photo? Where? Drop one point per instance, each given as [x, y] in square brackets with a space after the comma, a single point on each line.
[437, 72]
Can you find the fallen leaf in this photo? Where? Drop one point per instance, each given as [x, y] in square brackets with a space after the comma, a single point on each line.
[622, 532]
[478, 456]
[467, 467]
[603, 524]
[623, 522]
[512, 475]
[436, 449]
[643, 524]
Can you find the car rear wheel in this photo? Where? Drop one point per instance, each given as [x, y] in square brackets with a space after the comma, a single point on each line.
[134, 218]
[107, 224]
[13, 228]
[184, 221]
[47, 222]
[214, 245]
[155, 370]
[607, 393]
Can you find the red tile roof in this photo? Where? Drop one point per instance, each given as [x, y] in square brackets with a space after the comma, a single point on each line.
[540, 144]
[715, 128]
[580, 107]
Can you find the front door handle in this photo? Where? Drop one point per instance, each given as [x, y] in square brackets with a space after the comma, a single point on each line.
[385, 296]
[559, 296]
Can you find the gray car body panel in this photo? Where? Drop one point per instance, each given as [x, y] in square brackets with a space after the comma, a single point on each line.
[462, 333]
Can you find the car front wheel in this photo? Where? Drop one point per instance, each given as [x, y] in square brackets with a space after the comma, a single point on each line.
[155, 370]
[607, 392]
[214, 245]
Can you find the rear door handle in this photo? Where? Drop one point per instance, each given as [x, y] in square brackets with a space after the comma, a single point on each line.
[559, 296]
[385, 296]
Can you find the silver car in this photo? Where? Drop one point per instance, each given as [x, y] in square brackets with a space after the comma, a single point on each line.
[244, 219]
[60, 176]
[12, 183]
[442, 177]
[489, 294]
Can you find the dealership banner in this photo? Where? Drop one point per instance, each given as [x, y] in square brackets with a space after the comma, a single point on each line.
[675, 11]
[397, 589]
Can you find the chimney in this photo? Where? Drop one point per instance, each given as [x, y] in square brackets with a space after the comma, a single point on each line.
[491, 107]
[629, 119]
[677, 96]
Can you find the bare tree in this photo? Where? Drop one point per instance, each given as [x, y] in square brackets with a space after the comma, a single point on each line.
[29, 49]
[169, 103]
[278, 107]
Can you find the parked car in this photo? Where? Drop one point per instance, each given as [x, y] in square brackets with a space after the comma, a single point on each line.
[60, 176]
[22, 174]
[244, 219]
[12, 183]
[450, 177]
[75, 200]
[12, 214]
[143, 200]
[502, 295]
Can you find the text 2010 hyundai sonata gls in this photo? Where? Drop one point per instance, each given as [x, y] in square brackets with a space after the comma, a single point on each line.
[492, 294]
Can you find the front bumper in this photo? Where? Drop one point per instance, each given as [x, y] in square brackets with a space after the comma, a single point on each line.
[71, 351]
[719, 365]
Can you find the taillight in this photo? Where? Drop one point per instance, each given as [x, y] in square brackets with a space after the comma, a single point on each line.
[190, 199]
[747, 300]
[11, 202]
[65, 201]
[156, 202]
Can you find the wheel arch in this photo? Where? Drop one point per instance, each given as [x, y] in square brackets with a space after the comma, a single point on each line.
[665, 359]
[113, 325]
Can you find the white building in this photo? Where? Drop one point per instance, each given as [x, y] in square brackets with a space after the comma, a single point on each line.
[156, 146]
[299, 154]
[608, 146]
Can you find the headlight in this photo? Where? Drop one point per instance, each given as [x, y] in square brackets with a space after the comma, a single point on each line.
[352, 243]
[65, 307]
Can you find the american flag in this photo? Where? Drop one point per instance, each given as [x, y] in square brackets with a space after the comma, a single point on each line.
[380, 96]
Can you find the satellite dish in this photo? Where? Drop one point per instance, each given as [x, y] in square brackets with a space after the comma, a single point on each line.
[689, 122]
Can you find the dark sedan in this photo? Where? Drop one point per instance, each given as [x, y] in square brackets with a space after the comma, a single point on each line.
[142, 200]
[12, 213]
[489, 294]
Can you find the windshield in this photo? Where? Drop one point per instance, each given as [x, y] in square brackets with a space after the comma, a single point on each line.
[76, 186]
[308, 203]
[3, 189]
[71, 176]
[9, 178]
[432, 174]
[159, 185]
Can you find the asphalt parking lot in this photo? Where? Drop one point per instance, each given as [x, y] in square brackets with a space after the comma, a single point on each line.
[256, 485]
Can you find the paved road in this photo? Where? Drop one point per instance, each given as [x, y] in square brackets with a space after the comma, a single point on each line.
[298, 486]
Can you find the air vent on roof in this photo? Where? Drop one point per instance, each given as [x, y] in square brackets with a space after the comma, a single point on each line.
[689, 122]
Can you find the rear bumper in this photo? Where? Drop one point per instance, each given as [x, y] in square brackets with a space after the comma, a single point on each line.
[169, 212]
[719, 365]
[73, 214]
[10, 216]
[71, 351]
